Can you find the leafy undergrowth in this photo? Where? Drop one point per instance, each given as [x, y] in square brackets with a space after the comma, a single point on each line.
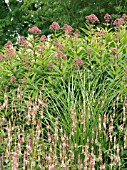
[63, 100]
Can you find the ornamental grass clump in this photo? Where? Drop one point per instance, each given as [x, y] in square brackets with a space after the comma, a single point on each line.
[33, 138]
[63, 99]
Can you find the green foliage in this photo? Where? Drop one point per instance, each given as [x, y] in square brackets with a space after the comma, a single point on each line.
[18, 16]
[65, 78]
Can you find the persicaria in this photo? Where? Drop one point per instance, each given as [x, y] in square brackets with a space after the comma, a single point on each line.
[1, 57]
[50, 64]
[23, 80]
[12, 80]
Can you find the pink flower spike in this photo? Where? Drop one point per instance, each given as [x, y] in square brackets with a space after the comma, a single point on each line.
[50, 64]
[35, 30]
[1, 57]
[23, 79]
[54, 26]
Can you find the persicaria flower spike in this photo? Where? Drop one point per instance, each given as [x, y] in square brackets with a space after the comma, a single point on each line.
[67, 28]
[92, 19]
[54, 26]
[23, 80]
[34, 30]
[119, 21]
[12, 80]
[50, 64]
[114, 50]
[1, 57]
[107, 17]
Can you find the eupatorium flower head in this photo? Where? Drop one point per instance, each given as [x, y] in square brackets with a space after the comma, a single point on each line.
[67, 28]
[34, 30]
[107, 17]
[119, 21]
[124, 16]
[43, 38]
[54, 26]
[92, 19]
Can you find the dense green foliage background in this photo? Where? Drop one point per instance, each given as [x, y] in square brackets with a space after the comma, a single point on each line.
[18, 15]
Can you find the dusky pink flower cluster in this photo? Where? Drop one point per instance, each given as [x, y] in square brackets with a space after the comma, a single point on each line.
[59, 55]
[67, 28]
[23, 41]
[107, 17]
[35, 30]
[54, 26]
[43, 38]
[76, 34]
[92, 19]
[41, 48]
[124, 16]
[9, 49]
[59, 46]
[8, 45]
[119, 21]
